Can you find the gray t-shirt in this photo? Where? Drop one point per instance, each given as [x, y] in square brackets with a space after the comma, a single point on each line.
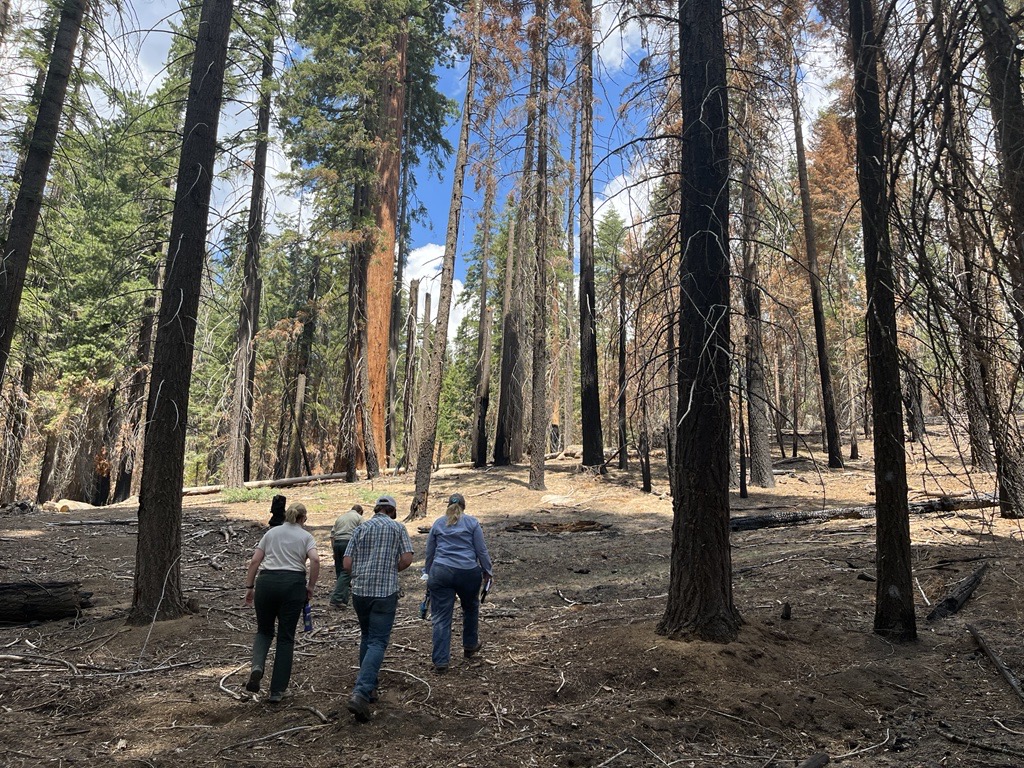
[286, 547]
[345, 524]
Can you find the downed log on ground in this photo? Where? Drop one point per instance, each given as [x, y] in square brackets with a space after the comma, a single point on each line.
[961, 593]
[781, 519]
[23, 601]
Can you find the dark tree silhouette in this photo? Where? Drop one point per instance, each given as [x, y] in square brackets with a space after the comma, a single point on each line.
[157, 559]
[700, 602]
[894, 597]
[17, 246]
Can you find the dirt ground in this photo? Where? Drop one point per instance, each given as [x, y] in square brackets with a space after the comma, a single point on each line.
[572, 672]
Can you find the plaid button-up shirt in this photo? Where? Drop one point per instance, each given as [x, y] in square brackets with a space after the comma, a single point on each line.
[375, 547]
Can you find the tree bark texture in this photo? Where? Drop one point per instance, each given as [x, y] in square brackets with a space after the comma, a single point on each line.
[158, 590]
[17, 426]
[758, 405]
[700, 601]
[435, 368]
[25, 601]
[620, 399]
[380, 274]
[590, 396]
[539, 409]
[16, 248]
[828, 400]
[894, 597]
[482, 399]
[237, 454]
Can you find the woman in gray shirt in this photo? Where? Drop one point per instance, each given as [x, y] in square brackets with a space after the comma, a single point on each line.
[279, 592]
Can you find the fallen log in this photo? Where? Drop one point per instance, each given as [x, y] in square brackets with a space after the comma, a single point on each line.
[961, 593]
[41, 601]
[126, 521]
[781, 519]
[285, 482]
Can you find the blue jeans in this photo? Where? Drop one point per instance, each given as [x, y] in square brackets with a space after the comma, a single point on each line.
[444, 584]
[343, 580]
[376, 618]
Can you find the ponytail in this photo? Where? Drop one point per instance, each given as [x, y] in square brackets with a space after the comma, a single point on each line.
[452, 514]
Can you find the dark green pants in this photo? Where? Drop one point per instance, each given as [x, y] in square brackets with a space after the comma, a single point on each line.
[279, 598]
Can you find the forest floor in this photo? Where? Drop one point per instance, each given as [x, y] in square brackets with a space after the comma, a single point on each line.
[572, 673]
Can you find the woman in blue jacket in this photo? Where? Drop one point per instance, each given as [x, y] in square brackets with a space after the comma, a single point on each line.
[456, 565]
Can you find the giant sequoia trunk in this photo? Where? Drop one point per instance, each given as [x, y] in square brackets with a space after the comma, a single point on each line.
[590, 396]
[158, 590]
[237, 458]
[17, 246]
[381, 267]
[894, 597]
[435, 368]
[700, 602]
[828, 400]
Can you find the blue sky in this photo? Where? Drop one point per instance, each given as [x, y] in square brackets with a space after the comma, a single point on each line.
[615, 183]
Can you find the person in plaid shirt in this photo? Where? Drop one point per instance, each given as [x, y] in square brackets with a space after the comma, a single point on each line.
[377, 551]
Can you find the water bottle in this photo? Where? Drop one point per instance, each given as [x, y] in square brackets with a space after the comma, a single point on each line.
[307, 618]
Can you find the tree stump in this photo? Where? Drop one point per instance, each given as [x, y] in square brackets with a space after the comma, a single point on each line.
[24, 601]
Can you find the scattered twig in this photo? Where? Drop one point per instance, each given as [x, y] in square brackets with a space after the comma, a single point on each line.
[562, 685]
[617, 754]
[270, 736]
[33, 659]
[660, 759]
[127, 672]
[1008, 676]
[319, 715]
[921, 590]
[228, 691]
[977, 744]
[414, 677]
[864, 749]
[1008, 730]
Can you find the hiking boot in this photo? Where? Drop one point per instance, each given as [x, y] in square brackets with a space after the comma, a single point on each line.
[440, 669]
[374, 696]
[275, 697]
[253, 684]
[359, 707]
[472, 650]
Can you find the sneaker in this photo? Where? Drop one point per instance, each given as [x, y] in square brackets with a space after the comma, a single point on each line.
[359, 707]
[253, 684]
[472, 650]
[275, 697]
[440, 669]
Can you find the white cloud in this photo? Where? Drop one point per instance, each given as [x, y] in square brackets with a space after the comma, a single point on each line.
[425, 265]
[617, 38]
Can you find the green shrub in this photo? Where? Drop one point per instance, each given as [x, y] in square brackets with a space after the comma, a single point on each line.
[238, 495]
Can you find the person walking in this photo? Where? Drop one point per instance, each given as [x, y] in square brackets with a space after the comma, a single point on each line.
[278, 593]
[457, 562]
[340, 535]
[377, 550]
